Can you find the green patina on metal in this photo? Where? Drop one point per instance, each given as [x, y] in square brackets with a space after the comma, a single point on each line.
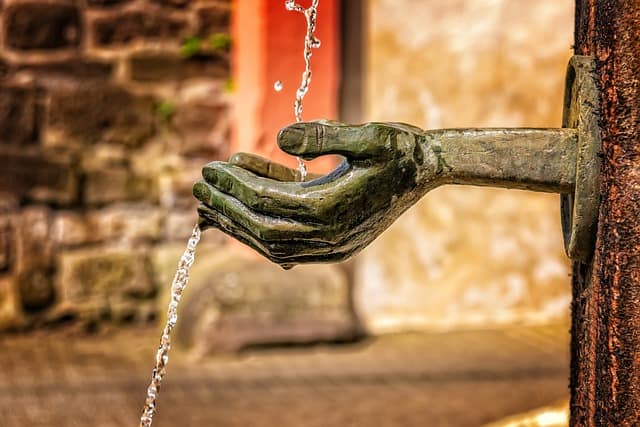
[579, 209]
[387, 168]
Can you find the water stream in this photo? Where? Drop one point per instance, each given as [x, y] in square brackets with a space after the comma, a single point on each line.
[310, 42]
[181, 279]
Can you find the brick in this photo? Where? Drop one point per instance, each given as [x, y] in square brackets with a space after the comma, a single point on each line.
[37, 177]
[20, 116]
[115, 185]
[49, 73]
[100, 274]
[41, 26]
[70, 228]
[132, 25]
[106, 156]
[114, 223]
[126, 223]
[214, 19]
[159, 67]
[102, 113]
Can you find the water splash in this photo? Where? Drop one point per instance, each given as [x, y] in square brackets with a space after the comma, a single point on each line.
[180, 281]
[310, 42]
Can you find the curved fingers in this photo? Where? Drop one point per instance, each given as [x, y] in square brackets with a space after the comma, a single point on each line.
[286, 253]
[263, 227]
[273, 198]
[267, 169]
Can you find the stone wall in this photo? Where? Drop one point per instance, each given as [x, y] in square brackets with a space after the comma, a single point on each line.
[108, 110]
[467, 257]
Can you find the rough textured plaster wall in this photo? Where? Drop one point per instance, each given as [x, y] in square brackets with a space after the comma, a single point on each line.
[467, 256]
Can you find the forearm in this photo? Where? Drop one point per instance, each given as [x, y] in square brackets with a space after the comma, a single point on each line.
[532, 159]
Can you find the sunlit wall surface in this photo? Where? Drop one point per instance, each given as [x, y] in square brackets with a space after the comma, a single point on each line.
[467, 256]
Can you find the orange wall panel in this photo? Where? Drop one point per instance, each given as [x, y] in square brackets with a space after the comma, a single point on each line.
[268, 46]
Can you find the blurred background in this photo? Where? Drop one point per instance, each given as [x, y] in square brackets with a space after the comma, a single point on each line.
[456, 316]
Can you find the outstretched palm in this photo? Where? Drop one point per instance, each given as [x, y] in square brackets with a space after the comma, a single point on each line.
[329, 218]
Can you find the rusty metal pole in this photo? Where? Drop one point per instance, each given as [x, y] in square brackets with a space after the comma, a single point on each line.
[605, 365]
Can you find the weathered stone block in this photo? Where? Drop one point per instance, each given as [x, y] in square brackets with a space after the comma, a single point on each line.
[74, 70]
[31, 26]
[32, 176]
[106, 156]
[158, 67]
[131, 25]
[234, 301]
[115, 185]
[102, 113]
[126, 223]
[99, 275]
[20, 116]
[214, 19]
[70, 228]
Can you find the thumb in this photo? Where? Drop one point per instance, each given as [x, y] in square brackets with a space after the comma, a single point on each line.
[312, 139]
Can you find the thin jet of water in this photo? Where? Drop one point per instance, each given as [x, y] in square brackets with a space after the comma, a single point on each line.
[180, 281]
[310, 42]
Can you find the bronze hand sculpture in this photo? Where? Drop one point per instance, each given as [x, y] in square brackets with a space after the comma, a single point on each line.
[387, 167]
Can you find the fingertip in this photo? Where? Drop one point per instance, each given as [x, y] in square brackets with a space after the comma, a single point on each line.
[210, 171]
[237, 158]
[201, 191]
[291, 138]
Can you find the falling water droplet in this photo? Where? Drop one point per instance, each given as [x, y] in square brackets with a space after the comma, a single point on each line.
[290, 4]
[277, 86]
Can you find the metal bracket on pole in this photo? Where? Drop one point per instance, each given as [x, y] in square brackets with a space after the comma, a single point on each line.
[579, 211]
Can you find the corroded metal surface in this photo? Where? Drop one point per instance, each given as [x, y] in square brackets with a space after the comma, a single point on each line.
[579, 209]
[387, 168]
